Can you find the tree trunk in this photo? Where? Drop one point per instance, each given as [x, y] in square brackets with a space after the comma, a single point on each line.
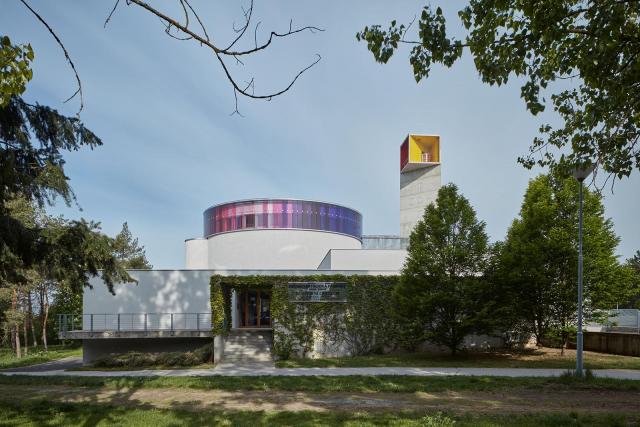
[45, 319]
[25, 331]
[44, 314]
[30, 314]
[16, 334]
[15, 328]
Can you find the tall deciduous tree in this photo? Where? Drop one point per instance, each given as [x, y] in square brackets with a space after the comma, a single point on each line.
[595, 44]
[539, 258]
[440, 295]
[633, 265]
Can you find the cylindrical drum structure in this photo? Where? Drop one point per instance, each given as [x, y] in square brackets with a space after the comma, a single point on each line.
[278, 233]
[282, 214]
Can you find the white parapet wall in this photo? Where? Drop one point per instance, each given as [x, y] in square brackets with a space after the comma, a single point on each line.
[157, 292]
[196, 255]
[364, 259]
[275, 249]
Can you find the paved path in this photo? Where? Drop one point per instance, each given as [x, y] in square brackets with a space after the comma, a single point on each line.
[54, 365]
[269, 370]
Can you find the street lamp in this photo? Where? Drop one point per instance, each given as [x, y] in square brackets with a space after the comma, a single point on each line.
[580, 173]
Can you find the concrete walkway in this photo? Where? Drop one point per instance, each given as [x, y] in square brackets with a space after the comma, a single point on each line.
[55, 365]
[270, 370]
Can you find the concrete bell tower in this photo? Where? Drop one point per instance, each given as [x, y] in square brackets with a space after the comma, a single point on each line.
[420, 178]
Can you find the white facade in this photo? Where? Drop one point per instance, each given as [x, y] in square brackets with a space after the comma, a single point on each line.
[196, 254]
[263, 237]
[161, 292]
[157, 292]
[280, 249]
[364, 259]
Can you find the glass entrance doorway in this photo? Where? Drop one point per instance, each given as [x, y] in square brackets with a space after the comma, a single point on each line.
[254, 308]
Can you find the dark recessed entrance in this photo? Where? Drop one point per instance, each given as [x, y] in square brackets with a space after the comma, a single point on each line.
[254, 309]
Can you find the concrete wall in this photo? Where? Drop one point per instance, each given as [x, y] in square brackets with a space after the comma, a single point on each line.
[94, 349]
[196, 254]
[418, 188]
[614, 343]
[157, 291]
[274, 249]
[364, 259]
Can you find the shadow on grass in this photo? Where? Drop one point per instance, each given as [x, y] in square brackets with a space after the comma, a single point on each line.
[527, 358]
[356, 383]
[71, 414]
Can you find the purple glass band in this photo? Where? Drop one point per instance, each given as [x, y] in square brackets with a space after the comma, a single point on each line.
[282, 214]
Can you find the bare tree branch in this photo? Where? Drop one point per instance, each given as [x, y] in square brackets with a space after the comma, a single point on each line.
[270, 40]
[204, 30]
[241, 31]
[111, 14]
[66, 54]
[205, 40]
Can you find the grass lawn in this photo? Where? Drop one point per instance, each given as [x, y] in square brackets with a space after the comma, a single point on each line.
[360, 383]
[36, 355]
[539, 358]
[51, 414]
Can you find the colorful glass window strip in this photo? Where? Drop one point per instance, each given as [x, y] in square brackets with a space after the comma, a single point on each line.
[282, 214]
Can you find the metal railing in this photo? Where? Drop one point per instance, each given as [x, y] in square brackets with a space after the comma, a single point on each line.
[617, 320]
[102, 322]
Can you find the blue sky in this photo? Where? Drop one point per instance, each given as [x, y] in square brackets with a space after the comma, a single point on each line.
[171, 149]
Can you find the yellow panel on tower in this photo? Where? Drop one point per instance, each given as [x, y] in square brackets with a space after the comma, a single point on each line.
[419, 151]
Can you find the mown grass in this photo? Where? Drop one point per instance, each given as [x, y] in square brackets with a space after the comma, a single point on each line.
[37, 355]
[52, 414]
[548, 358]
[385, 383]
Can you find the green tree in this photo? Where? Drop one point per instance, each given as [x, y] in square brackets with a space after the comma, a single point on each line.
[539, 258]
[439, 297]
[594, 44]
[128, 251]
[633, 267]
[15, 69]
[75, 250]
[33, 139]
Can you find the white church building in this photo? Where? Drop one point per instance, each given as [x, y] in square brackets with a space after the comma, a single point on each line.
[170, 310]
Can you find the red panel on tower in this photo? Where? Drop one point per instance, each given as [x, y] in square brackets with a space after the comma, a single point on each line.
[404, 153]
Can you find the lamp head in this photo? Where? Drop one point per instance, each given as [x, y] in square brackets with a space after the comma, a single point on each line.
[581, 172]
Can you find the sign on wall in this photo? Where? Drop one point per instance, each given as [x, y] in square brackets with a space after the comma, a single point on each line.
[317, 291]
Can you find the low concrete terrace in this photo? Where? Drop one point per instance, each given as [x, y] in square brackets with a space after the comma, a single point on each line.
[134, 325]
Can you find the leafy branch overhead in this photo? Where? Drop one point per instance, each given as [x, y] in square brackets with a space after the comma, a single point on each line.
[593, 44]
[190, 27]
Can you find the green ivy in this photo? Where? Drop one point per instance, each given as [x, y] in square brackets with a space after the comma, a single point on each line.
[365, 323]
[218, 308]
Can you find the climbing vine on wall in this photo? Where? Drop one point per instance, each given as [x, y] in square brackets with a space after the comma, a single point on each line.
[364, 324]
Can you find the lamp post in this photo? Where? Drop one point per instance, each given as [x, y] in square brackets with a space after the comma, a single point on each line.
[580, 174]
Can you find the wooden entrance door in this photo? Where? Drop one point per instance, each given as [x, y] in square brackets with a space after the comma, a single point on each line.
[254, 308]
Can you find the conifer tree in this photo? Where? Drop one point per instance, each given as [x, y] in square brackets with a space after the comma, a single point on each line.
[128, 251]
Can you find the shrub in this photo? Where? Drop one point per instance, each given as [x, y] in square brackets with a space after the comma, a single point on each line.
[135, 359]
[437, 420]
